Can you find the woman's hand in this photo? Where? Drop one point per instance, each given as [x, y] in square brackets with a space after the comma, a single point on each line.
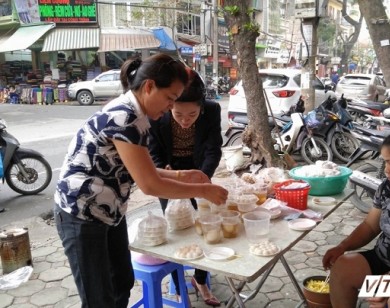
[331, 256]
[215, 194]
[378, 302]
[192, 176]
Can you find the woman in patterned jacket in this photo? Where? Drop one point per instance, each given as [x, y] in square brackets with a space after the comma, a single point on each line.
[105, 158]
[348, 271]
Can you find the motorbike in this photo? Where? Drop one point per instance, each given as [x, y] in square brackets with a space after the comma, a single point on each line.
[360, 110]
[26, 171]
[223, 85]
[366, 178]
[211, 88]
[296, 136]
[380, 122]
[336, 124]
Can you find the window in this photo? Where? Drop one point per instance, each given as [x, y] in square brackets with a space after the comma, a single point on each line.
[108, 77]
[274, 81]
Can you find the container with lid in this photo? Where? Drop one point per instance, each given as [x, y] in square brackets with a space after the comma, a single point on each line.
[179, 214]
[152, 230]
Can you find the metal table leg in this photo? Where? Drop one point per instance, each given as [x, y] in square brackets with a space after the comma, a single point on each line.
[243, 298]
[236, 293]
[292, 278]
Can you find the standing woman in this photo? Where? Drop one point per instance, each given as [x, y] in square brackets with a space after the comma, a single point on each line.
[105, 158]
[189, 137]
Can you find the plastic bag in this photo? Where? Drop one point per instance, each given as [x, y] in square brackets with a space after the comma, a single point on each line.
[15, 278]
[313, 119]
[1, 166]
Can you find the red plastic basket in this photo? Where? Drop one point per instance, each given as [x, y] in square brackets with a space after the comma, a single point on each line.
[295, 198]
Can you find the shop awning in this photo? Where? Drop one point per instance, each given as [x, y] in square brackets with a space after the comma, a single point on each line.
[71, 39]
[166, 41]
[189, 39]
[6, 34]
[127, 39]
[24, 37]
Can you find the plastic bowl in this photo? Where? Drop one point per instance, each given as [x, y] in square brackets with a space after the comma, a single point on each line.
[325, 186]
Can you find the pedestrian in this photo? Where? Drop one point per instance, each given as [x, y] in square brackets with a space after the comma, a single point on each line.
[335, 78]
[106, 157]
[348, 270]
[189, 137]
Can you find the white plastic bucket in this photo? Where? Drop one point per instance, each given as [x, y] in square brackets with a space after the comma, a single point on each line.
[233, 156]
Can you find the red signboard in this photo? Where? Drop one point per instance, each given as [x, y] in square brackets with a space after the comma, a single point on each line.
[68, 11]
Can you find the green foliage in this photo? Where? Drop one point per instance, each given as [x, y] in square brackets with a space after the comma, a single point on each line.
[252, 27]
[326, 30]
[232, 10]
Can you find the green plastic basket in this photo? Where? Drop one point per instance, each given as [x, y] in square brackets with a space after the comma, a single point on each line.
[325, 186]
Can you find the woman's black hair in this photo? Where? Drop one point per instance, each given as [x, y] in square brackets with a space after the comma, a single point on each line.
[160, 68]
[195, 90]
[386, 142]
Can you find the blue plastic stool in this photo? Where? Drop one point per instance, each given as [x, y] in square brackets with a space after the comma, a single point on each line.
[172, 289]
[151, 277]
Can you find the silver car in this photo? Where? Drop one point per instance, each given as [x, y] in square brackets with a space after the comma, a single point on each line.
[362, 86]
[106, 85]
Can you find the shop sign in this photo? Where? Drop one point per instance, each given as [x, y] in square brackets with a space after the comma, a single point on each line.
[197, 57]
[283, 57]
[68, 11]
[27, 11]
[272, 50]
[223, 37]
[186, 50]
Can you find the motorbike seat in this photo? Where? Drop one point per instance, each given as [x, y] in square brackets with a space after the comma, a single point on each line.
[373, 132]
[283, 117]
[369, 105]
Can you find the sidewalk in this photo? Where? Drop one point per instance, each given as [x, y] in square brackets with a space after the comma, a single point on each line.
[51, 284]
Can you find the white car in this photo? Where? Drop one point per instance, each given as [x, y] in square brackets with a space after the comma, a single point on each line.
[106, 85]
[369, 87]
[283, 90]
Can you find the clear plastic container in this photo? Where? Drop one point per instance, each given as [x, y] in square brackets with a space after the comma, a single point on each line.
[246, 202]
[256, 226]
[230, 223]
[211, 228]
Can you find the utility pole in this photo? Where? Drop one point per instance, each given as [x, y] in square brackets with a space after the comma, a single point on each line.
[215, 38]
[309, 11]
[202, 37]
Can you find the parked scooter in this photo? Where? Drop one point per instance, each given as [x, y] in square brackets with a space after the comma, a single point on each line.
[223, 85]
[335, 125]
[379, 123]
[366, 178]
[295, 136]
[25, 170]
[360, 109]
[211, 88]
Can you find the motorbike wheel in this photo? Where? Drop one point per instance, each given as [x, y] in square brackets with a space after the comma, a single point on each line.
[362, 198]
[309, 154]
[235, 140]
[343, 145]
[38, 172]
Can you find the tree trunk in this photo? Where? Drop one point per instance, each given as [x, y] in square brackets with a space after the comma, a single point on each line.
[352, 39]
[244, 32]
[379, 29]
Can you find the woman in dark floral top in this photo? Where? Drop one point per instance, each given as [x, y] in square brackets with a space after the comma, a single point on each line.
[348, 271]
[189, 137]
